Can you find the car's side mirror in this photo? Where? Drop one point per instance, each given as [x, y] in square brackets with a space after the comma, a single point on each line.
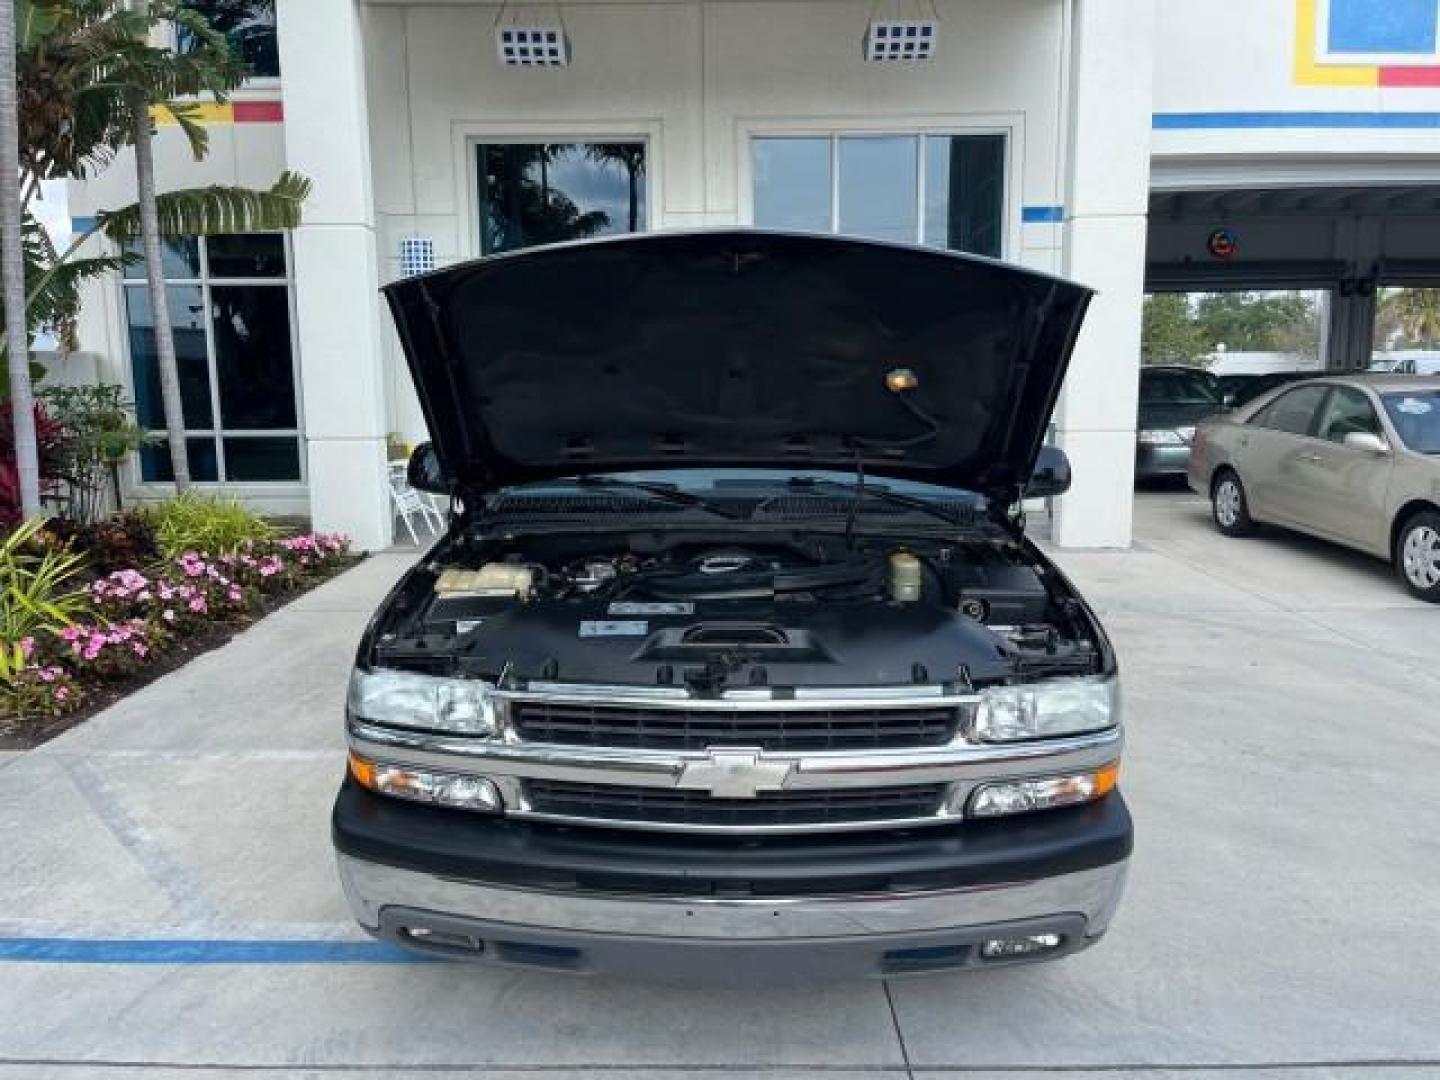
[424, 472]
[1051, 475]
[1367, 441]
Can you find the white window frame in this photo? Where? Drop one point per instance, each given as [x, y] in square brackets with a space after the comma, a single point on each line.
[1010, 126]
[218, 433]
[469, 136]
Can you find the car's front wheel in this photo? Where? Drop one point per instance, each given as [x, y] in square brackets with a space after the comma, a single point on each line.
[1231, 508]
[1417, 556]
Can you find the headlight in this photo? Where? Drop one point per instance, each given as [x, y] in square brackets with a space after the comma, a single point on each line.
[406, 699]
[1022, 796]
[1162, 437]
[1046, 709]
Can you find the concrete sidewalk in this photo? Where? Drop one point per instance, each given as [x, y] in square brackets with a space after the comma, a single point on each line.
[1283, 748]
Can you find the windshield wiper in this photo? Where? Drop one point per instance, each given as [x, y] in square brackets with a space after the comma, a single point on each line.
[668, 493]
[859, 491]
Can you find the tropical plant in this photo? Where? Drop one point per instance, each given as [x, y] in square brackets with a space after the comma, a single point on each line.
[99, 433]
[1408, 318]
[192, 522]
[50, 455]
[92, 80]
[41, 590]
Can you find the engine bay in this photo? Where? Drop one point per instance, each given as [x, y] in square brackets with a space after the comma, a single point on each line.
[710, 612]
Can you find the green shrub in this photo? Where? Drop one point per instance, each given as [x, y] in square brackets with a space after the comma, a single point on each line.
[194, 522]
[40, 590]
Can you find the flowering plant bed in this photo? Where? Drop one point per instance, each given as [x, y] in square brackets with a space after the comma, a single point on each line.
[132, 625]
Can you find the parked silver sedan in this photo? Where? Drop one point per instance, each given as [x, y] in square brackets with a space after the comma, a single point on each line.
[1354, 459]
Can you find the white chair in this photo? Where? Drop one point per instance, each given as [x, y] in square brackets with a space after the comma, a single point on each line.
[408, 502]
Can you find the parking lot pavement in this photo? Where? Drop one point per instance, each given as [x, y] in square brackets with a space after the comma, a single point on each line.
[169, 905]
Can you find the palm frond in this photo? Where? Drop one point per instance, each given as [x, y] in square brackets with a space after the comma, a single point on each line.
[213, 210]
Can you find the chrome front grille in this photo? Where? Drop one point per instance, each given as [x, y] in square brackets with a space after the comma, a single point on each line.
[660, 806]
[749, 761]
[859, 727]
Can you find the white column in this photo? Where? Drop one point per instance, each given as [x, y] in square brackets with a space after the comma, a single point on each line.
[1107, 196]
[327, 138]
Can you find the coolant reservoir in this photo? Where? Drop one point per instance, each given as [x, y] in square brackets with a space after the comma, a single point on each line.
[904, 578]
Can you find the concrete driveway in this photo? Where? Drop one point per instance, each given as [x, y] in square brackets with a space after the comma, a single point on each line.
[168, 905]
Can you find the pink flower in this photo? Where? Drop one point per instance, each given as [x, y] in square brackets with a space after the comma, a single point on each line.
[62, 693]
[198, 605]
[27, 646]
[70, 633]
[139, 648]
[235, 595]
[91, 652]
[48, 674]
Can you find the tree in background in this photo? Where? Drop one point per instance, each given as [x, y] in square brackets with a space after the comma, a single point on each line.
[1169, 333]
[1183, 328]
[90, 81]
[12, 267]
[1408, 319]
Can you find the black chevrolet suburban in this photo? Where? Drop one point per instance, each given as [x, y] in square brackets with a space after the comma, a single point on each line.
[735, 664]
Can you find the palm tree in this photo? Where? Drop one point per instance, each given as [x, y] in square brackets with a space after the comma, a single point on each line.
[631, 158]
[1409, 318]
[90, 80]
[12, 263]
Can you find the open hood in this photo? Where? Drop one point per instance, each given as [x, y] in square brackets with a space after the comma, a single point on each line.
[738, 349]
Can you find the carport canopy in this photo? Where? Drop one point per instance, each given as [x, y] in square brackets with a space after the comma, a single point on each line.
[1348, 240]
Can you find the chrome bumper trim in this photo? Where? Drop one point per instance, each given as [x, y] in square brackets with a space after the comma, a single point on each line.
[1093, 894]
[662, 768]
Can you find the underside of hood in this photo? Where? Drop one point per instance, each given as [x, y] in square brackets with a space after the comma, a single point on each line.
[738, 349]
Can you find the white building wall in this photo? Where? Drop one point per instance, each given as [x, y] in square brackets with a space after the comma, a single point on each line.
[1222, 64]
[696, 81]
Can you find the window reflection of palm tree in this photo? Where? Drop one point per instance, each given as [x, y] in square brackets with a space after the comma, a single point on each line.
[631, 158]
[522, 208]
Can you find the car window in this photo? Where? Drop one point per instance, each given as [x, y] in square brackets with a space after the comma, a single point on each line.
[1416, 418]
[1293, 411]
[1347, 410]
[1178, 388]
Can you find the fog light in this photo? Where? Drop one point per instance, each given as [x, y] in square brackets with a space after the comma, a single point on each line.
[422, 785]
[1046, 793]
[1029, 945]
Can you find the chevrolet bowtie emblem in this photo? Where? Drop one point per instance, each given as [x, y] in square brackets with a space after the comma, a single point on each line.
[735, 774]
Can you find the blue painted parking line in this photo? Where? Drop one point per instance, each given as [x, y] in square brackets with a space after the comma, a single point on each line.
[53, 950]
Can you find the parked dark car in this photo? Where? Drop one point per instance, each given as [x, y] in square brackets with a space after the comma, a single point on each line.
[738, 665]
[1173, 399]
[1237, 391]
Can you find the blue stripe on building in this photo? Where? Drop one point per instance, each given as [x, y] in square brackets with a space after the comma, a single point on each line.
[1210, 121]
[1042, 215]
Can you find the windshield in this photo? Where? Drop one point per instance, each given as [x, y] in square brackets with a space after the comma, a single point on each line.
[1416, 418]
[1178, 388]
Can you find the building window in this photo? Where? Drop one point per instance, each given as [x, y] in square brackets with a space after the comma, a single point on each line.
[229, 301]
[249, 26]
[543, 193]
[945, 191]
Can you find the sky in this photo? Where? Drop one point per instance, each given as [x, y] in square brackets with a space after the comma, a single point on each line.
[54, 213]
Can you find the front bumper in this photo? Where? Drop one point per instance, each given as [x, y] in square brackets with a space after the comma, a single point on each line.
[721, 911]
[1153, 462]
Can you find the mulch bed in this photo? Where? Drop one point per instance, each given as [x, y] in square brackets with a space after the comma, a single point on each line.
[17, 733]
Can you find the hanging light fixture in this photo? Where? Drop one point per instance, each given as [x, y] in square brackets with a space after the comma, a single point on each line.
[531, 44]
[888, 40]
